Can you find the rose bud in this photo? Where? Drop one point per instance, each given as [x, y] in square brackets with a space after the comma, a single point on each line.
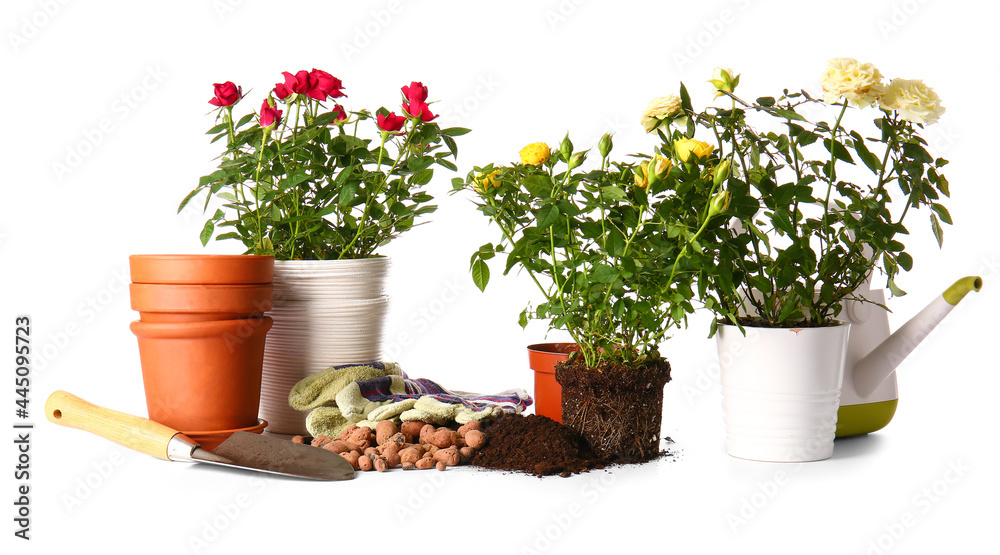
[226, 94]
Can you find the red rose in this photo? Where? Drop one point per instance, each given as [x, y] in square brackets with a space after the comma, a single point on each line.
[339, 113]
[226, 94]
[324, 85]
[390, 122]
[419, 110]
[281, 92]
[416, 92]
[300, 83]
[269, 115]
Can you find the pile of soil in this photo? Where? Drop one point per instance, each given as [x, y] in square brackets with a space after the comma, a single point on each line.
[617, 408]
[536, 445]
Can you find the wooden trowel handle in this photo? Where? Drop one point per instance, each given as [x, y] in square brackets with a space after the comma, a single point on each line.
[130, 431]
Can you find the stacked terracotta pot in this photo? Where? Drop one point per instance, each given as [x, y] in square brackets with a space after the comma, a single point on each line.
[201, 332]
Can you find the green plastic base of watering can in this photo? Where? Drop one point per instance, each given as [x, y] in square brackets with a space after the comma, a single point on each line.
[855, 420]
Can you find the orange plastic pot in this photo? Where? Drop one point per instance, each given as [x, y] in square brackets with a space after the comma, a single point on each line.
[202, 375]
[195, 303]
[198, 269]
[542, 358]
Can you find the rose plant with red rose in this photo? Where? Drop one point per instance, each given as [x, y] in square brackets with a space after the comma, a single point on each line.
[297, 181]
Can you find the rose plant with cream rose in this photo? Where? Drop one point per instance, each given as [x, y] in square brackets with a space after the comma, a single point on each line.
[298, 181]
[817, 207]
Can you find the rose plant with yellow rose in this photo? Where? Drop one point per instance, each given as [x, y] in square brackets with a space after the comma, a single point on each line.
[611, 251]
[805, 233]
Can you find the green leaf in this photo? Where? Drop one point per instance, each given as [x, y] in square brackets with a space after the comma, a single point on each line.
[540, 186]
[523, 319]
[480, 274]
[455, 131]
[211, 178]
[614, 192]
[187, 199]
[217, 129]
[685, 99]
[896, 291]
[766, 101]
[938, 232]
[905, 261]
[787, 114]
[916, 152]
[348, 192]
[243, 120]
[423, 177]
[839, 151]
[547, 215]
[602, 273]
[206, 232]
[942, 212]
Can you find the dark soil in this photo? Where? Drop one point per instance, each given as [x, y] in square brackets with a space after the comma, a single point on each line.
[616, 408]
[762, 323]
[536, 445]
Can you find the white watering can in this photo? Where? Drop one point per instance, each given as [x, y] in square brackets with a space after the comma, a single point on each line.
[869, 396]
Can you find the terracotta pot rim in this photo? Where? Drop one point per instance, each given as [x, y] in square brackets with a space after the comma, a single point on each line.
[259, 425]
[201, 269]
[205, 328]
[555, 348]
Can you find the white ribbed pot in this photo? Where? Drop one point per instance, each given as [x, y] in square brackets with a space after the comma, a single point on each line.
[326, 313]
[781, 391]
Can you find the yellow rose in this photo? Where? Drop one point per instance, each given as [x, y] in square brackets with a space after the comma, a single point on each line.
[914, 101]
[484, 183]
[723, 79]
[640, 177]
[535, 154]
[861, 84]
[658, 109]
[684, 148]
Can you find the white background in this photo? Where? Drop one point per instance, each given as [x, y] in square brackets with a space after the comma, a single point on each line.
[124, 86]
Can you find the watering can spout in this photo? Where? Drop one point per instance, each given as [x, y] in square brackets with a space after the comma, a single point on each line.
[877, 365]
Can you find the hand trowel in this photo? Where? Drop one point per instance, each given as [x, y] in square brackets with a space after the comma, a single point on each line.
[241, 450]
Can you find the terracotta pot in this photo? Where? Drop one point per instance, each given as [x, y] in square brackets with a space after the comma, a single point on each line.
[202, 375]
[542, 358]
[201, 269]
[196, 303]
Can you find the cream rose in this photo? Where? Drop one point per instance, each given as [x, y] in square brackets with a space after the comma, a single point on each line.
[659, 108]
[861, 84]
[915, 101]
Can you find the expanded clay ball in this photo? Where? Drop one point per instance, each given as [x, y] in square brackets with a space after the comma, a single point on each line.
[412, 430]
[298, 439]
[424, 464]
[384, 430]
[410, 455]
[475, 439]
[443, 438]
[365, 463]
[441, 466]
[381, 464]
[426, 432]
[346, 432]
[471, 425]
[448, 456]
[361, 434]
[321, 440]
[352, 457]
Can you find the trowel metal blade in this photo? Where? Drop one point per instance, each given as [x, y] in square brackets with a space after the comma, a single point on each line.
[267, 453]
